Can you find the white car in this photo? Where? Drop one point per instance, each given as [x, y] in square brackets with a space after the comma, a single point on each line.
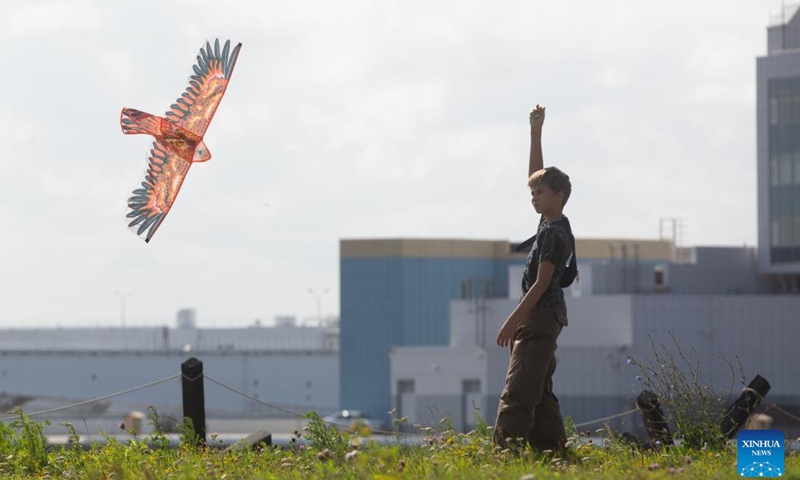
[351, 420]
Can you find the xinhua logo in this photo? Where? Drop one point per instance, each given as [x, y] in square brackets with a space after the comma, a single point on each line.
[759, 453]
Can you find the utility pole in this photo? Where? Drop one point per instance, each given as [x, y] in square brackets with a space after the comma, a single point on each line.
[318, 297]
[122, 297]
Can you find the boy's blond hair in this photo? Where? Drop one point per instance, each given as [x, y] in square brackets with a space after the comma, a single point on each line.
[554, 178]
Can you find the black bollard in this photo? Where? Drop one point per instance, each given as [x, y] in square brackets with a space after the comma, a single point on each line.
[737, 414]
[194, 400]
[654, 422]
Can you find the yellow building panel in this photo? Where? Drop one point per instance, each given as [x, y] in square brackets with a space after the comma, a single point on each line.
[453, 248]
[613, 248]
[418, 247]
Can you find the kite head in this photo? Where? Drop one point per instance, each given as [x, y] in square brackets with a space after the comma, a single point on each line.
[201, 153]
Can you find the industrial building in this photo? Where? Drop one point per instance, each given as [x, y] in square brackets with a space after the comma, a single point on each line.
[293, 368]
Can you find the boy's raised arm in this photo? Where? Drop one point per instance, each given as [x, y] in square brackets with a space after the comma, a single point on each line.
[536, 160]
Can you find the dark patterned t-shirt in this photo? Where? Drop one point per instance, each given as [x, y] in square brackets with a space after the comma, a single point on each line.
[553, 244]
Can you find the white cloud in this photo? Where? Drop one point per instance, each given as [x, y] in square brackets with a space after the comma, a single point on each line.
[37, 18]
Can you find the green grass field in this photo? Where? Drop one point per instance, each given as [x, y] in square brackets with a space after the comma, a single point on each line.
[327, 453]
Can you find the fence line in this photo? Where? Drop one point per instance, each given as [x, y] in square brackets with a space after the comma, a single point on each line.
[776, 407]
[604, 419]
[262, 402]
[285, 410]
[94, 400]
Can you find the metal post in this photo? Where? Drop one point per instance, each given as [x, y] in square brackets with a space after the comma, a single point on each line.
[654, 423]
[194, 404]
[122, 297]
[737, 414]
[318, 297]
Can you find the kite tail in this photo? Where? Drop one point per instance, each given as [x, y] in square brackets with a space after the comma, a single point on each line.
[135, 122]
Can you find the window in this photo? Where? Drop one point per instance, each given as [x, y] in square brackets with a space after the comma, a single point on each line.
[785, 169]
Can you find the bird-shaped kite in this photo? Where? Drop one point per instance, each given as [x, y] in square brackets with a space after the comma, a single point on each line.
[178, 137]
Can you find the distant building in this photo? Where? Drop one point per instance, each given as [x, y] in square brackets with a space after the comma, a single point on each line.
[295, 368]
[397, 292]
[711, 305]
[778, 124]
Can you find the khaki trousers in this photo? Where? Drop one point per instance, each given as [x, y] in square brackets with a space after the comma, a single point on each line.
[528, 410]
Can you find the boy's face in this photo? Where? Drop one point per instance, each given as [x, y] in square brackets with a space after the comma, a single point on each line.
[544, 199]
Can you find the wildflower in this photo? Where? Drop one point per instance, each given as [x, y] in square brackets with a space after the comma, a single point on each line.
[638, 377]
[658, 443]
[687, 460]
[629, 361]
[401, 465]
[351, 455]
[122, 425]
[672, 470]
[654, 466]
[324, 454]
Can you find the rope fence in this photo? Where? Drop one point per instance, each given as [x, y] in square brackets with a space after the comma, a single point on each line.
[289, 411]
[605, 419]
[94, 400]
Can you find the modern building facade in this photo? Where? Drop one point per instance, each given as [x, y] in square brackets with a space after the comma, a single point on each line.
[397, 292]
[778, 144]
[711, 306]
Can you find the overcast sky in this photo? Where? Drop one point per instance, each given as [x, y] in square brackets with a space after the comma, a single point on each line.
[356, 119]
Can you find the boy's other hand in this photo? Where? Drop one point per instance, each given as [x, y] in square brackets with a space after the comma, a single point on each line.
[506, 334]
[537, 117]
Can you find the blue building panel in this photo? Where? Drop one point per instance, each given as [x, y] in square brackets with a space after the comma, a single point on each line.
[401, 301]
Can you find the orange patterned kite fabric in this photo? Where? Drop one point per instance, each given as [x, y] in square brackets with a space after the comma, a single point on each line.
[178, 137]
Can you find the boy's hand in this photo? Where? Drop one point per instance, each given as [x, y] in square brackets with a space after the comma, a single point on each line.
[506, 334]
[537, 117]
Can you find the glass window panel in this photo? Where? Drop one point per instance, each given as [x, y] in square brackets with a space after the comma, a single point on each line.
[773, 111]
[796, 108]
[797, 167]
[796, 231]
[785, 231]
[773, 171]
[784, 109]
[774, 236]
[785, 169]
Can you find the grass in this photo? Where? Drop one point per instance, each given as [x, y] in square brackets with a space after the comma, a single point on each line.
[333, 454]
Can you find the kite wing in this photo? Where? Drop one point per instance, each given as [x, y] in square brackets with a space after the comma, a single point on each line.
[150, 204]
[195, 108]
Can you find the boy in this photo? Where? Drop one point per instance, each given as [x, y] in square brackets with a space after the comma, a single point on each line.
[528, 410]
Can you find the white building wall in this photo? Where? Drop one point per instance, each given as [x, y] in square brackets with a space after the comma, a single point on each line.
[302, 380]
[445, 382]
[593, 379]
[167, 339]
[294, 367]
